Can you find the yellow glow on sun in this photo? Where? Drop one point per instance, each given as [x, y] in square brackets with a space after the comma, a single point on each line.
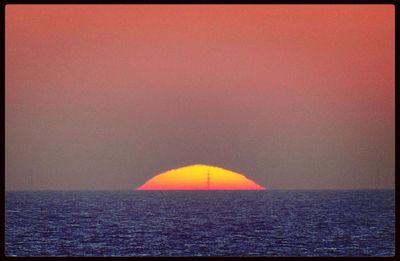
[200, 177]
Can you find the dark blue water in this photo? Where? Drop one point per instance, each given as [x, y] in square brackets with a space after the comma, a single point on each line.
[200, 223]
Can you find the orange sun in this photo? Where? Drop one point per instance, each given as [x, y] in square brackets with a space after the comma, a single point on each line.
[200, 177]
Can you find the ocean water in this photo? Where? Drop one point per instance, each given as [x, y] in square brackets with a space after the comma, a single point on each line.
[200, 223]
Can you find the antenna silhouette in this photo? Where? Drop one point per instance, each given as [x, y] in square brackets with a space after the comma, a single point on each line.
[208, 180]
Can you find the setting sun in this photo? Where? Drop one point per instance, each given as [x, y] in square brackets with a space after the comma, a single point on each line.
[200, 177]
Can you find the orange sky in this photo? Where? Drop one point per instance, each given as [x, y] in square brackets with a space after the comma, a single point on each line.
[106, 96]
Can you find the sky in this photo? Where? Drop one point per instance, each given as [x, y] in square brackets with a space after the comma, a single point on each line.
[104, 97]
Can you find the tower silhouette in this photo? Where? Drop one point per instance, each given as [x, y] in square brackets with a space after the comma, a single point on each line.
[208, 180]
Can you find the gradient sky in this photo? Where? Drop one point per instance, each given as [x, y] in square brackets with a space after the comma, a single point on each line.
[106, 97]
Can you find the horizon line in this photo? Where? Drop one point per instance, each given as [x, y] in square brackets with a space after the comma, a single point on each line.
[241, 190]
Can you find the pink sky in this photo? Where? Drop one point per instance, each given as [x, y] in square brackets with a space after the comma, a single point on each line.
[294, 96]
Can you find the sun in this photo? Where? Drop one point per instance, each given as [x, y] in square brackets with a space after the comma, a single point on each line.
[200, 177]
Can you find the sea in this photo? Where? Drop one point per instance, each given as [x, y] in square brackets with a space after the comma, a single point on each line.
[200, 223]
